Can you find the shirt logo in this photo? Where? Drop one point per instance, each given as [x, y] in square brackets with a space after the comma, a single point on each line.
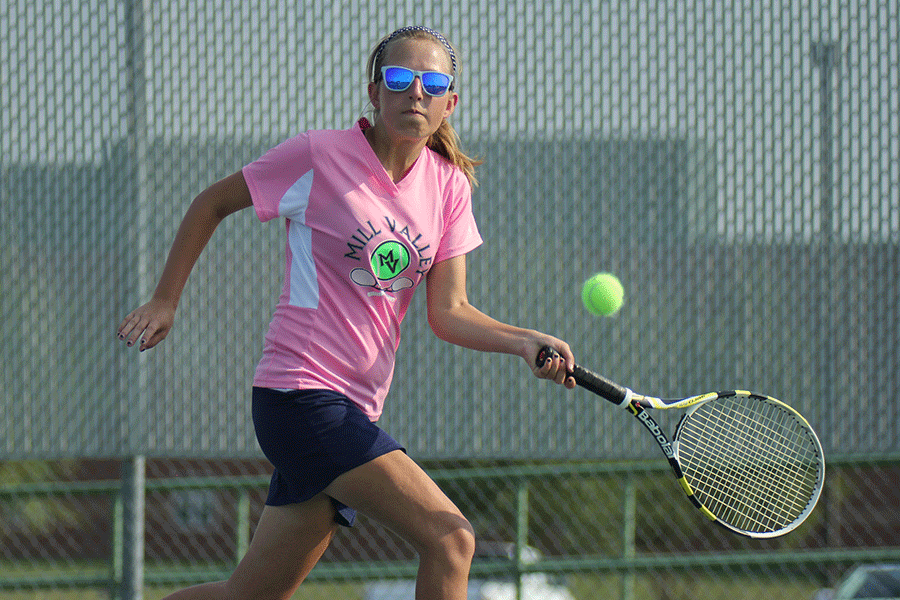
[389, 259]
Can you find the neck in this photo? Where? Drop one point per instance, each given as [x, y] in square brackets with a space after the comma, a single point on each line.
[396, 156]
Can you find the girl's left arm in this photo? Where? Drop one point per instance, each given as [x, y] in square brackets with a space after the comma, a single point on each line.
[454, 320]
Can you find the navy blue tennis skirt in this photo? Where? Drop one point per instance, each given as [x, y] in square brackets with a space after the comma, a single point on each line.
[311, 437]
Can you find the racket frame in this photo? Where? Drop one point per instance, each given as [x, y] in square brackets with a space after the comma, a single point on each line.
[624, 397]
[693, 404]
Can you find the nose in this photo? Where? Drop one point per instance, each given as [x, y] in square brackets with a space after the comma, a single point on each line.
[415, 89]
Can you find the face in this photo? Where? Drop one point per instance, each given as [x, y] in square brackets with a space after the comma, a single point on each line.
[413, 114]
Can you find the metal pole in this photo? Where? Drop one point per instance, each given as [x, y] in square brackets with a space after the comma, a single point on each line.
[242, 541]
[134, 401]
[133, 485]
[521, 532]
[118, 549]
[629, 536]
[825, 56]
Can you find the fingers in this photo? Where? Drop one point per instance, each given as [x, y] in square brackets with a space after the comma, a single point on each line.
[152, 336]
[128, 330]
[147, 326]
[135, 327]
[558, 367]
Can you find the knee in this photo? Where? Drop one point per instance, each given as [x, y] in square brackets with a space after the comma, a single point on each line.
[463, 541]
[456, 542]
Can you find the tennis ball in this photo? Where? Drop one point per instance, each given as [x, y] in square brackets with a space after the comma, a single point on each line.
[602, 294]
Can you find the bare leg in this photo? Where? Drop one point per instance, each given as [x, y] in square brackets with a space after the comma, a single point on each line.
[394, 490]
[288, 543]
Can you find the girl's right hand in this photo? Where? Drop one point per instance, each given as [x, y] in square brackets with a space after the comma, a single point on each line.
[150, 323]
[556, 367]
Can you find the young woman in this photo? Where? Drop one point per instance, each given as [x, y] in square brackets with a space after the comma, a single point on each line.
[371, 212]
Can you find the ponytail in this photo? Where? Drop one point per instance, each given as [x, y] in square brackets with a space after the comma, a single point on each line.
[445, 142]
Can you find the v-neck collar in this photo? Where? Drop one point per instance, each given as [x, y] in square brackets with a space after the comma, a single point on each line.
[378, 170]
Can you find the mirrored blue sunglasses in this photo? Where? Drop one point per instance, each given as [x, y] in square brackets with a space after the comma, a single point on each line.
[398, 79]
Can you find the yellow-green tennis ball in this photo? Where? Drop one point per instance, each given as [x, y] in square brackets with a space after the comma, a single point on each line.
[602, 294]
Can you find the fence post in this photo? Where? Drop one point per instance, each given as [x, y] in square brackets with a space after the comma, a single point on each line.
[826, 56]
[132, 566]
[133, 463]
[521, 532]
[242, 523]
[118, 552]
[629, 529]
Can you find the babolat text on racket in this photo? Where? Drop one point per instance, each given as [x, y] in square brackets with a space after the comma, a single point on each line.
[749, 462]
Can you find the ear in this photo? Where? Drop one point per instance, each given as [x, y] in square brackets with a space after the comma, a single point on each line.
[373, 95]
[452, 101]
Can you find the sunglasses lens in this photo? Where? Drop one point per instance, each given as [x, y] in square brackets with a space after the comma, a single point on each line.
[435, 84]
[397, 79]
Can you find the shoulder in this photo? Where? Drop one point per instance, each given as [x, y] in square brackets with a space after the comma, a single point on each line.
[344, 146]
[280, 162]
[332, 137]
[448, 175]
[340, 139]
[317, 138]
[297, 143]
[313, 140]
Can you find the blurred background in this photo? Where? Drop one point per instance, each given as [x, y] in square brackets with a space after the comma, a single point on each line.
[735, 164]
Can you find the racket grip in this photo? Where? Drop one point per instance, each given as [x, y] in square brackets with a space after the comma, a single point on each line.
[603, 387]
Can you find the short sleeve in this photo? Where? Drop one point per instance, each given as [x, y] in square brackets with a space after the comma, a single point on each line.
[273, 178]
[461, 234]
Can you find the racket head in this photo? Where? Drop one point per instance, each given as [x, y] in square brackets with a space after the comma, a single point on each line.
[752, 462]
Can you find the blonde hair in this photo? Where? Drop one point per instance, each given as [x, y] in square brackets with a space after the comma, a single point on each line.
[444, 141]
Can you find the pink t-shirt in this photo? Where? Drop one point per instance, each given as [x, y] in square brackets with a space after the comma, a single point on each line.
[357, 246]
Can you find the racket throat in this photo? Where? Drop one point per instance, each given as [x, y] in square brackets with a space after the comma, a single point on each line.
[669, 451]
[653, 427]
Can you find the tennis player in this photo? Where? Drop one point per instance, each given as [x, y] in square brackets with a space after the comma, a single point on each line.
[370, 212]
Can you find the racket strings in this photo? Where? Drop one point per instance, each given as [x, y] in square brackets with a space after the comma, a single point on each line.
[751, 462]
[778, 446]
[743, 507]
[752, 480]
[765, 496]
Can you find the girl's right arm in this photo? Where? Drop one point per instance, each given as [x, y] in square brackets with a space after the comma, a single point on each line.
[151, 322]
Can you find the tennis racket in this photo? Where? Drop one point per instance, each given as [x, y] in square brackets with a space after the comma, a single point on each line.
[749, 462]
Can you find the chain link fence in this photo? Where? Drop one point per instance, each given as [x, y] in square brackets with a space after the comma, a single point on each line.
[734, 164]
